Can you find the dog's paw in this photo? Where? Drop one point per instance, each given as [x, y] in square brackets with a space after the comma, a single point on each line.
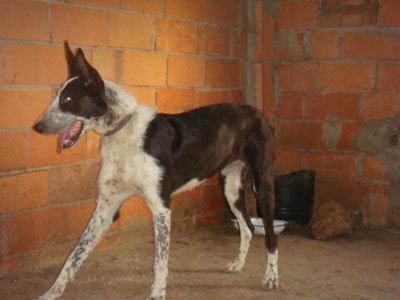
[270, 283]
[234, 267]
[157, 294]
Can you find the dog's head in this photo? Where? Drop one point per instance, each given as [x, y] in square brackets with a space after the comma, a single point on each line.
[79, 101]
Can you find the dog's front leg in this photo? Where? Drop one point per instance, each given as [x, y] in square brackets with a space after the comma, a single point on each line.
[162, 226]
[97, 226]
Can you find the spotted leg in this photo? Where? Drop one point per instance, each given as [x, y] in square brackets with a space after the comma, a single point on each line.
[260, 156]
[162, 226]
[234, 193]
[97, 226]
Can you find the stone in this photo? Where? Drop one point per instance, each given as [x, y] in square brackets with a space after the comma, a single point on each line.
[330, 220]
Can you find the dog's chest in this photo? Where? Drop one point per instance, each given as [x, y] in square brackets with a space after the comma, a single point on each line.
[128, 169]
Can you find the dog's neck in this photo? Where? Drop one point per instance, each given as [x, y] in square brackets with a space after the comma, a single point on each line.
[121, 108]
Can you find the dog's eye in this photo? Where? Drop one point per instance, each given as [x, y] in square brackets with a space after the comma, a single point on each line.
[68, 99]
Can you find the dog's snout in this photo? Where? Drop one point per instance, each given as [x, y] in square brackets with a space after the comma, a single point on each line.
[39, 127]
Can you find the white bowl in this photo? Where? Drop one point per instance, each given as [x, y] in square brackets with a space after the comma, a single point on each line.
[279, 225]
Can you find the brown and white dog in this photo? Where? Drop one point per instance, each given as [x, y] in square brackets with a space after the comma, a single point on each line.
[157, 155]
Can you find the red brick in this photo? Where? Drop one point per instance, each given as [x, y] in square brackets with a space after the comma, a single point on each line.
[142, 68]
[290, 105]
[32, 64]
[348, 13]
[176, 36]
[258, 33]
[24, 20]
[319, 105]
[134, 208]
[147, 6]
[99, 3]
[187, 9]
[213, 97]
[222, 12]
[298, 15]
[371, 46]
[144, 95]
[12, 151]
[267, 87]
[350, 194]
[108, 63]
[300, 135]
[389, 77]
[359, 20]
[77, 218]
[268, 31]
[33, 230]
[222, 73]
[239, 43]
[73, 183]
[373, 168]
[324, 44]
[349, 130]
[287, 161]
[298, 76]
[332, 165]
[214, 199]
[69, 24]
[213, 40]
[258, 68]
[42, 151]
[292, 45]
[18, 192]
[21, 107]
[192, 196]
[330, 20]
[238, 97]
[378, 106]
[130, 30]
[185, 71]
[389, 13]
[347, 76]
[178, 99]
[378, 209]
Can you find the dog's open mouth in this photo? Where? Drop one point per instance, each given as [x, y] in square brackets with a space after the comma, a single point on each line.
[69, 136]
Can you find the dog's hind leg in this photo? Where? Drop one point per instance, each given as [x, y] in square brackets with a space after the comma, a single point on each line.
[232, 178]
[260, 155]
[162, 227]
[100, 221]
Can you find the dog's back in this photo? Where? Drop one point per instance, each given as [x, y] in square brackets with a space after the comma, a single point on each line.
[198, 143]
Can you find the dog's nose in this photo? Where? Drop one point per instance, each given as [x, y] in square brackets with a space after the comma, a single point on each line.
[39, 127]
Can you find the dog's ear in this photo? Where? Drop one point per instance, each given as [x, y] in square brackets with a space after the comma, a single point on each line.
[69, 56]
[88, 74]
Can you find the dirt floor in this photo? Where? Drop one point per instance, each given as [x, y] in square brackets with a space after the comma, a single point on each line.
[363, 265]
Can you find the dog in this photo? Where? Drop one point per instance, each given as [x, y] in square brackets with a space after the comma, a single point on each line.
[155, 156]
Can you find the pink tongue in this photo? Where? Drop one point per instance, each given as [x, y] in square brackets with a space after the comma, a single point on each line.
[68, 132]
[61, 138]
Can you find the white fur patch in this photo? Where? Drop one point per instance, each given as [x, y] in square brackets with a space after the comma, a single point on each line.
[271, 278]
[233, 184]
[188, 186]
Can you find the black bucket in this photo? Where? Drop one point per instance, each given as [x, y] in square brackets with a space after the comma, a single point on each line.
[294, 196]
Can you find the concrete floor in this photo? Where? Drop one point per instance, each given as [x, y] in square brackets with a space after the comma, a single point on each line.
[363, 265]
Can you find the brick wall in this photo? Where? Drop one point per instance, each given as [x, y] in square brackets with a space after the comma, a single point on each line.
[173, 54]
[328, 67]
